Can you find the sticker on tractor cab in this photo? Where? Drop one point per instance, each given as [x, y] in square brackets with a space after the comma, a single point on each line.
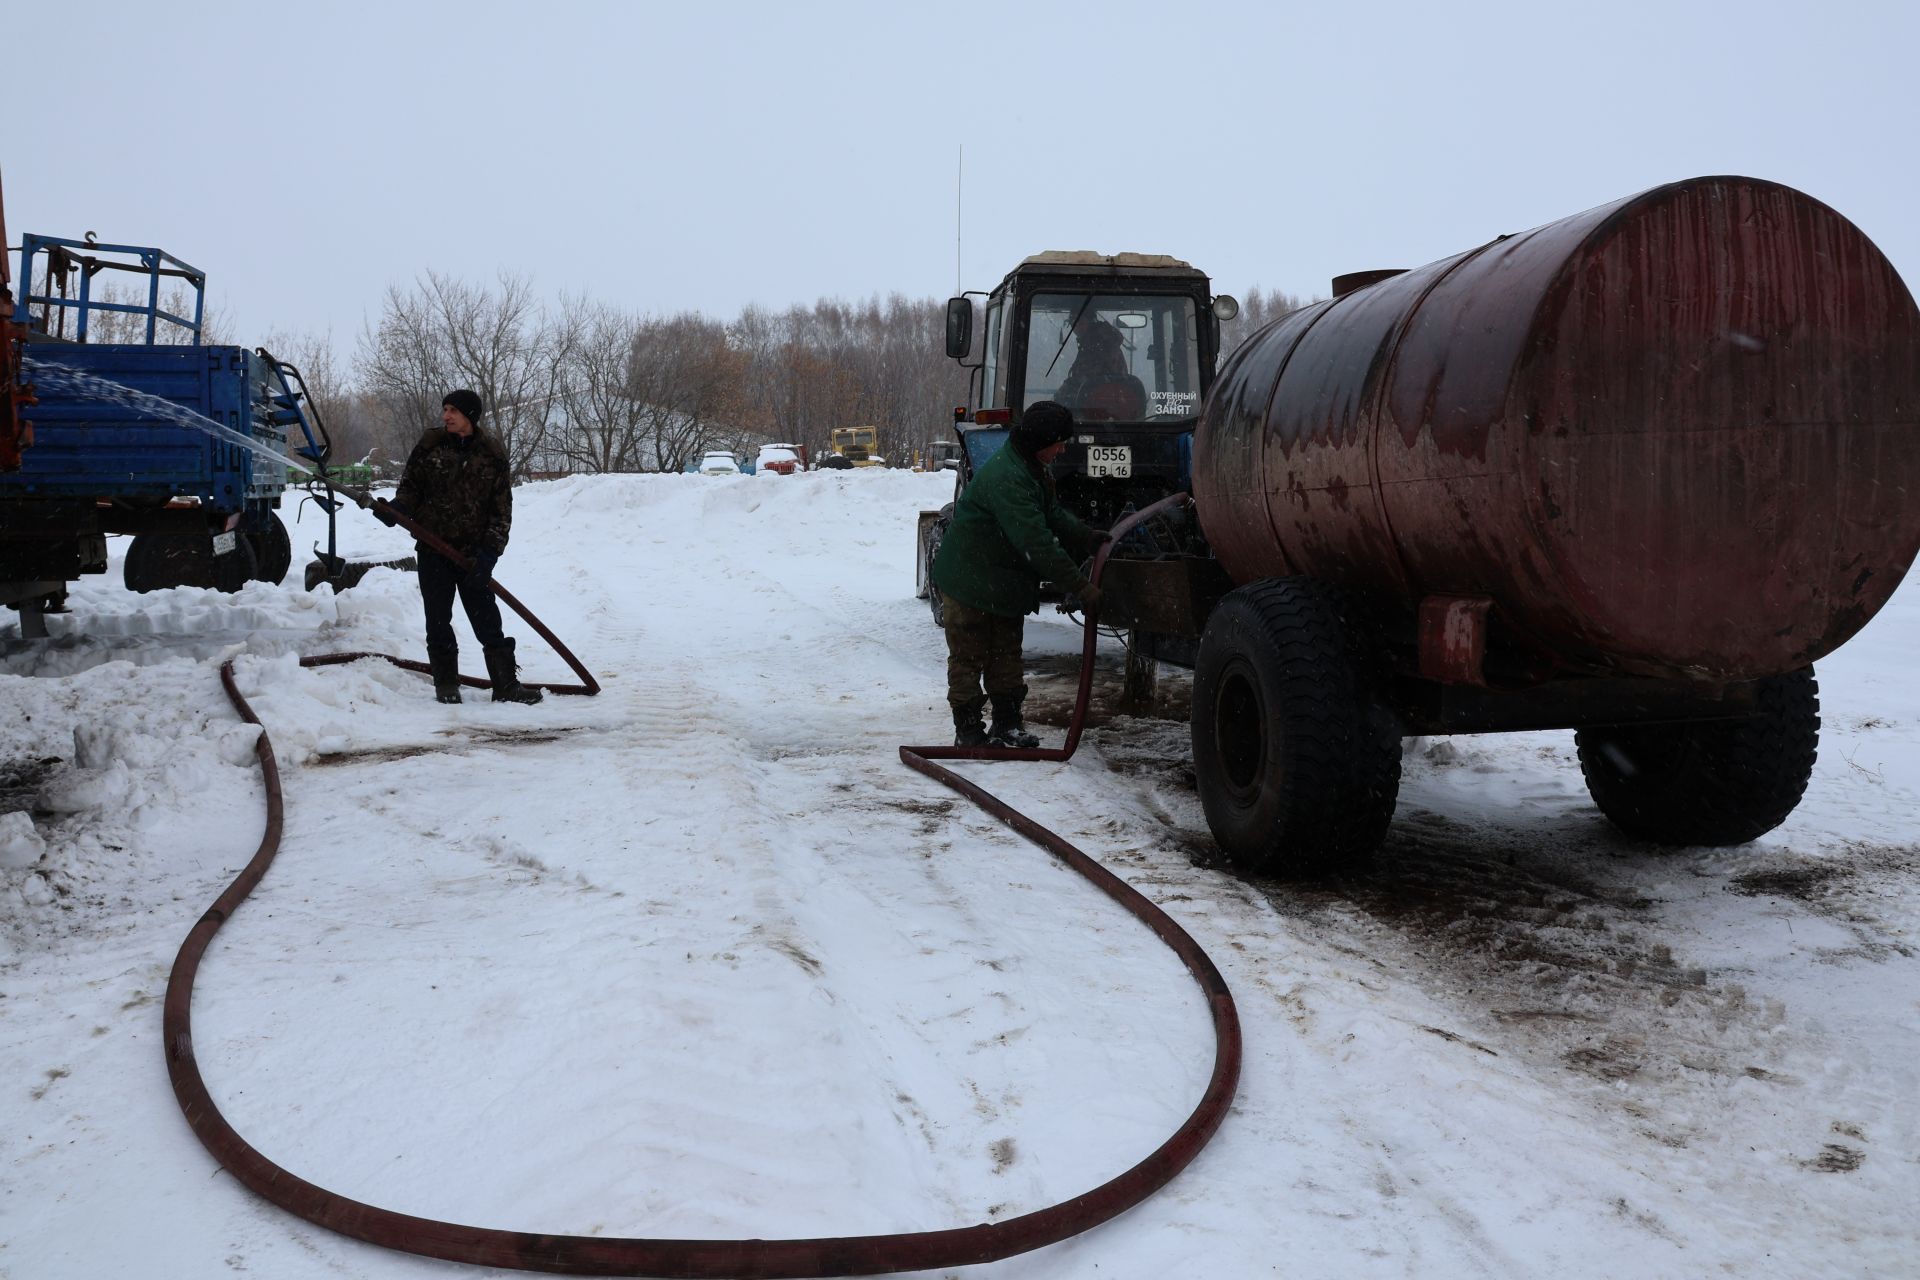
[1178, 403]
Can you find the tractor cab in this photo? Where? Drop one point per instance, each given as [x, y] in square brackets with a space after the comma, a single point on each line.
[1128, 342]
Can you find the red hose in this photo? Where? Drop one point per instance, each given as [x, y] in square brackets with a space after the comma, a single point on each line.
[602, 1256]
[587, 686]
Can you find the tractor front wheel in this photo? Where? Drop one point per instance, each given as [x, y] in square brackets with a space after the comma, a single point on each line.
[1296, 756]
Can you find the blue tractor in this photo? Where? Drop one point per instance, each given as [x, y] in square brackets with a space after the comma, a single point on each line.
[1129, 342]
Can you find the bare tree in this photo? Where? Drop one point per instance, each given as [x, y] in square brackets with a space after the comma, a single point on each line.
[839, 364]
[908, 385]
[333, 398]
[605, 427]
[688, 381]
[443, 334]
[1258, 309]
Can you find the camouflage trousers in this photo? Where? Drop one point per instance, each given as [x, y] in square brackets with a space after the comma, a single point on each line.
[982, 648]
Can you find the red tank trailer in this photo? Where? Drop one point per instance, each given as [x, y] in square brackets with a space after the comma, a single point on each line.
[1631, 473]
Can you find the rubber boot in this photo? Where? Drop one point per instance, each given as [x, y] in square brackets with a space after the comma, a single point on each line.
[968, 728]
[1008, 729]
[505, 675]
[446, 674]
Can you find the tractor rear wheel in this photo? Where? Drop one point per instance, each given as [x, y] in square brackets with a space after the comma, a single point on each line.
[157, 561]
[1296, 756]
[1715, 782]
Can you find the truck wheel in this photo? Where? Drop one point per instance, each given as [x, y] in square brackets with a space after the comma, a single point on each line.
[272, 550]
[1716, 782]
[157, 561]
[936, 533]
[1297, 758]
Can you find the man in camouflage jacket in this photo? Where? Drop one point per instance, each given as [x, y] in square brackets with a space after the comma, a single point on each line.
[1009, 533]
[458, 485]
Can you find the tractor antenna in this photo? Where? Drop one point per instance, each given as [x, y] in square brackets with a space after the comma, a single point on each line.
[959, 185]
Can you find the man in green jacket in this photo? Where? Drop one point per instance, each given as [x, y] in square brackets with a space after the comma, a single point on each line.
[1009, 533]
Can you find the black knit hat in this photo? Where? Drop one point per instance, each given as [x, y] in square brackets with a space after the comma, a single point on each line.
[467, 402]
[1047, 422]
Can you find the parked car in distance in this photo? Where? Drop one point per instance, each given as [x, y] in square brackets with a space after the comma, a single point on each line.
[719, 463]
[782, 459]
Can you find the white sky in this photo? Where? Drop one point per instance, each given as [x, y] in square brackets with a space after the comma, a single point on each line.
[674, 156]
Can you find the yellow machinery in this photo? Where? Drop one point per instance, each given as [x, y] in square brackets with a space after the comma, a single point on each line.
[860, 446]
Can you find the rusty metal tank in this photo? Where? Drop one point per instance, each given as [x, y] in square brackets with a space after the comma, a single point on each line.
[1676, 435]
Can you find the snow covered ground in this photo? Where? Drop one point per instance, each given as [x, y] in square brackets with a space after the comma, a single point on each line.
[699, 957]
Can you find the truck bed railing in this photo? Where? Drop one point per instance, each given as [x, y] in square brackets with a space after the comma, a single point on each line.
[67, 259]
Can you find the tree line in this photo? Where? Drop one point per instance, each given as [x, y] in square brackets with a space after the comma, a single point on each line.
[583, 386]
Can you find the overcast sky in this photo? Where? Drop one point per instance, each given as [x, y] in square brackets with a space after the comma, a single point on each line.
[703, 156]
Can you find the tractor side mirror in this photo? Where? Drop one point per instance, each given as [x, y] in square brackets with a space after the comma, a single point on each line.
[959, 327]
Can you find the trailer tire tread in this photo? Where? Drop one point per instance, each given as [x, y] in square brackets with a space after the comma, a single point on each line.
[1714, 783]
[159, 561]
[1283, 674]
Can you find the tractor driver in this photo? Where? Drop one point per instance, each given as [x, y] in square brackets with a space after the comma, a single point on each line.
[1009, 533]
[1098, 384]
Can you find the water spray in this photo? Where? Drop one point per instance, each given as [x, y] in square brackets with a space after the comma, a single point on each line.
[94, 387]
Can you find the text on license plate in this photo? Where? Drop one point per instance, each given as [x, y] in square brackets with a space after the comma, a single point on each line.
[1114, 460]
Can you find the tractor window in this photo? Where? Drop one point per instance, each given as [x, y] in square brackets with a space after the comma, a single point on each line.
[1115, 357]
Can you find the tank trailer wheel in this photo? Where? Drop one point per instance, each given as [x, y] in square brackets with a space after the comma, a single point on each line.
[157, 561]
[1716, 782]
[1297, 758]
[272, 550]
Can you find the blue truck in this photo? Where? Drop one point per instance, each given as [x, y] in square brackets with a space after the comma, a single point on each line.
[147, 439]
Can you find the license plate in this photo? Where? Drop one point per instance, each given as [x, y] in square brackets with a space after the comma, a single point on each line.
[1112, 460]
[224, 543]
